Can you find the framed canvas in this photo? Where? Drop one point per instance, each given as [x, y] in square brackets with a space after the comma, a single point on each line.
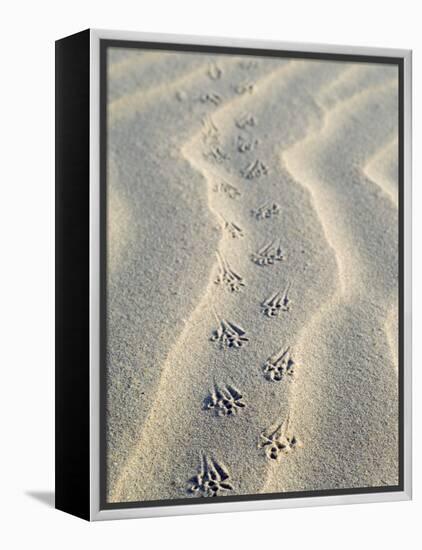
[233, 281]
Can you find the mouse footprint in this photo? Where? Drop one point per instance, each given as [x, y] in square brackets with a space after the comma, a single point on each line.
[278, 442]
[211, 479]
[246, 144]
[279, 365]
[234, 230]
[254, 170]
[266, 211]
[268, 254]
[227, 276]
[228, 334]
[211, 97]
[227, 189]
[225, 400]
[275, 304]
[246, 121]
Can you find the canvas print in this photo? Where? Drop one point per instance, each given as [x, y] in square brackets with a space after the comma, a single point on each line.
[251, 275]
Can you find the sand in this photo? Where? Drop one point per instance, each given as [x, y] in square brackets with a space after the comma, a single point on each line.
[251, 201]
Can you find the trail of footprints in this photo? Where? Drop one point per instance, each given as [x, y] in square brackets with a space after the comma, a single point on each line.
[225, 400]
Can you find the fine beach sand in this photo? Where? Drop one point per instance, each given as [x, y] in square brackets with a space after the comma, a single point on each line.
[250, 201]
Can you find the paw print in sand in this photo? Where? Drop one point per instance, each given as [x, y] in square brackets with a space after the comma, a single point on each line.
[246, 121]
[231, 228]
[246, 144]
[272, 306]
[211, 97]
[227, 189]
[227, 276]
[279, 365]
[225, 401]
[279, 442]
[216, 154]
[268, 254]
[254, 170]
[229, 334]
[211, 479]
[266, 210]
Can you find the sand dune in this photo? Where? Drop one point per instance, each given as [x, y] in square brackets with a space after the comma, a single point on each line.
[364, 245]
[256, 208]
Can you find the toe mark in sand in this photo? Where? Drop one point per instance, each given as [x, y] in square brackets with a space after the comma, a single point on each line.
[266, 210]
[246, 144]
[216, 154]
[211, 479]
[232, 229]
[246, 121]
[268, 254]
[225, 400]
[279, 366]
[244, 88]
[210, 133]
[227, 276]
[214, 72]
[254, 170]
[228, 334]
[227, 189]
[279, 442]
[273, 305]
[211, 97]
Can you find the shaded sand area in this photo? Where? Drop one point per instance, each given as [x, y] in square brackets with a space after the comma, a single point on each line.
[252, 275]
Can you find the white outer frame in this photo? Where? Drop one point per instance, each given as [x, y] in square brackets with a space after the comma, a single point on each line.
[172, 510]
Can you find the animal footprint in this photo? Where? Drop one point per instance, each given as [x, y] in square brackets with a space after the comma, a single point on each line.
[211, 97]
[245, 88]
[268, 254]
[214, 72]
[228, 334]
[211, 479]
[244, 145]
[266, 211]
[254, 170]
[227, 276]
[230, 190]
[272, 306]
[226, 401]
[232, 229]
[210, 132]
[279, 365]
[216, 154]
[279, 442]
[245, 121]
